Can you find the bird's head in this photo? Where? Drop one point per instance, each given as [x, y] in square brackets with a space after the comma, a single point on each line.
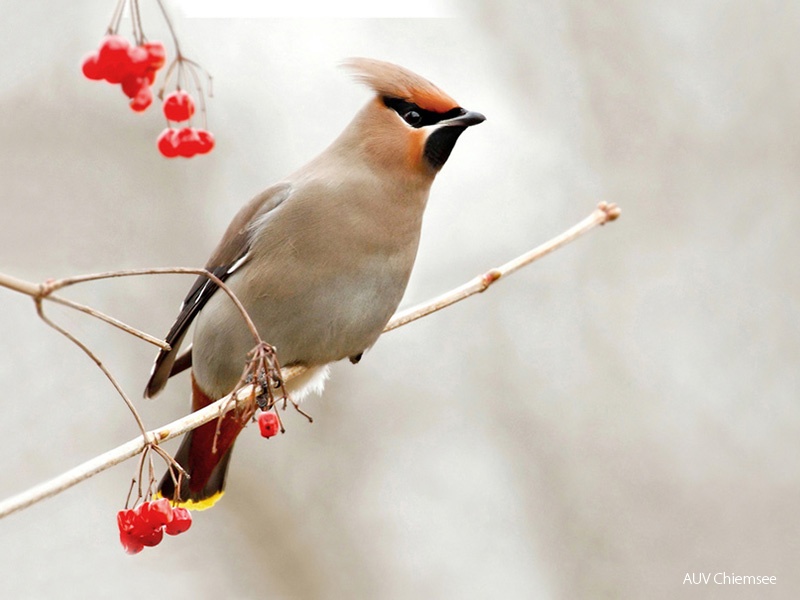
[411, 124]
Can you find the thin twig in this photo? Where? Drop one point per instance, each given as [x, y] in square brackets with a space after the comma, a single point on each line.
[169, 25]
[110, 320]
[40, 291]
[58, 284]
[603, 214]
[45, 292]
[201, 96]
[97, 361]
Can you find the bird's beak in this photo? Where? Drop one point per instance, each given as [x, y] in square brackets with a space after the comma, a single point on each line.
[468, 119]
[442, 139]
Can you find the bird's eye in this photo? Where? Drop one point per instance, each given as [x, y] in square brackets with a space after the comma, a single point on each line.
[413, 118]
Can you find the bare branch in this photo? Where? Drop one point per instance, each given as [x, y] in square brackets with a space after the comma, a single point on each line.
[130, 449]
[97, 361]
[18, 285]
[603, 214]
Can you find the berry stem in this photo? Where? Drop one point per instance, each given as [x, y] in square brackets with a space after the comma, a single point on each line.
[167, 77]
[142, 459]
[181, 74]
[116, 17]
[172, 464]
[192, 68]
[136, 20]
[171, 28]
[130, 491]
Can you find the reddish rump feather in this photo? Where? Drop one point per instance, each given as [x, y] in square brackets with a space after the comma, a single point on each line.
[202, 460]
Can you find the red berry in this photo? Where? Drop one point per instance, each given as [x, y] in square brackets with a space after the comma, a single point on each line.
[131, 543]
[91, 68]
[188, 142]
[143, 99]
[133, 530]
[268, 424]
[132, 85]
[113, 47]
[156, 513]
[178, 106]
[152, 537]
[157, 55]
[138, 61]
[181, 521]
[126, 520]
[143, 526]
[113, 58]
[206, 141]
[168, 142]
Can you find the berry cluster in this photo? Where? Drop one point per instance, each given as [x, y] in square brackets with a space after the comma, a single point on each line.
[186, 141]
[268, 424]
[145, 525]
[133, 67]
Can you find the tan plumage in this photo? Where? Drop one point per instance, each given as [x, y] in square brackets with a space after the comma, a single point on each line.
[320, 260]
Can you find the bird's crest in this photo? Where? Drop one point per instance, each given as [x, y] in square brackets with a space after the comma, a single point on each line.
[388, 79]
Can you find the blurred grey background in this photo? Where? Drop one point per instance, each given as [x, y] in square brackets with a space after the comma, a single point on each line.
[599, 425]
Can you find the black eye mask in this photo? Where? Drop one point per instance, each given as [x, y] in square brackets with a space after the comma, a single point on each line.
[419, 117]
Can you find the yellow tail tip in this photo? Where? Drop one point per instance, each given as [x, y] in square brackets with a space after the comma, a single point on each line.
[203, 504]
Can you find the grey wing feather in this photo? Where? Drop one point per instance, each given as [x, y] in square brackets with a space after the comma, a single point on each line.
[199, 294]
[231, 254]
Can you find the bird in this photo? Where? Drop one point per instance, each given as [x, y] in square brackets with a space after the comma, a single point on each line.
[320, 261]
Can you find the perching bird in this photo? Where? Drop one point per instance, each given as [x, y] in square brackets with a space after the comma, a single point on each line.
[320, 261]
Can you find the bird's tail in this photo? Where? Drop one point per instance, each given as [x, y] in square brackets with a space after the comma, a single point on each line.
[206, 465]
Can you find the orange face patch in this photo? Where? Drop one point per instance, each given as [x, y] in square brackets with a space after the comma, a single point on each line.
[416, 145]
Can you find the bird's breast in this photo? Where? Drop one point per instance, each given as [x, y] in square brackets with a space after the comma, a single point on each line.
[326, 273]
